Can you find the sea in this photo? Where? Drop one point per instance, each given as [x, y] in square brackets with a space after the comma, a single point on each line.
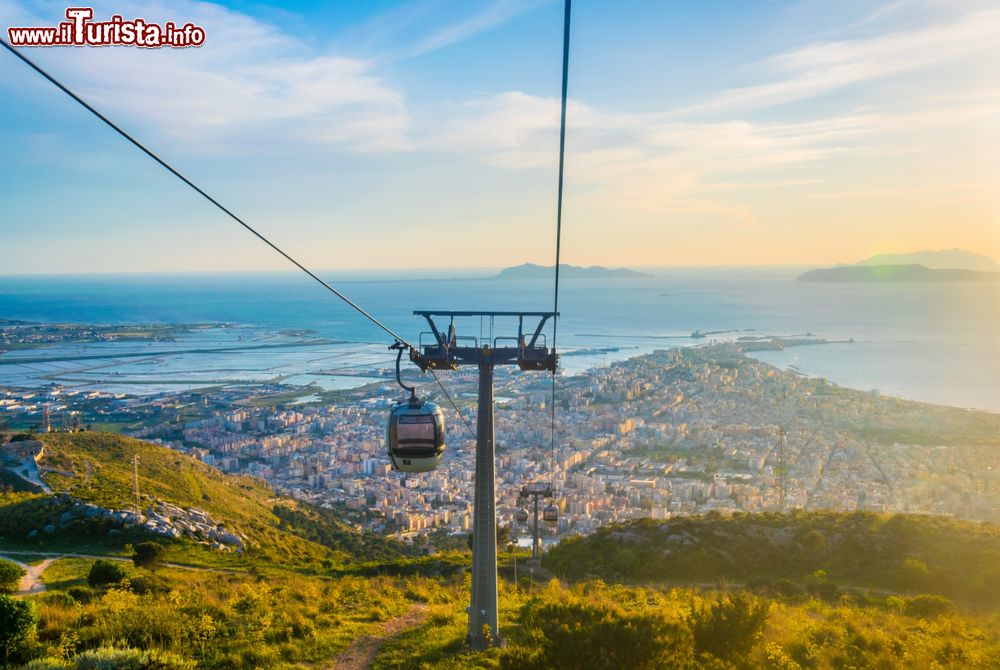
[933, 342]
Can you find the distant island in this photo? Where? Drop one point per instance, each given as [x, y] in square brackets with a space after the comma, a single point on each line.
[943, 259]
[533, 271]
[896, 273]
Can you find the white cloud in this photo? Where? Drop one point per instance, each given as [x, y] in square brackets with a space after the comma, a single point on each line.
[248, 83]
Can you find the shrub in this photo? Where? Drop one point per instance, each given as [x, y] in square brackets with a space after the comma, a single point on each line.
[10, 576]
[599, 636]
[148, 555]
[828, 591]
[80, 594]
[927, 606]
[18, 620]
[730, 627]
[787, 588]
[107, 658]
[104, 572]
[47, 663]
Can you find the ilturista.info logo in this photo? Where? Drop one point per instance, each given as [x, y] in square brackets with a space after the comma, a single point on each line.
[80, 30]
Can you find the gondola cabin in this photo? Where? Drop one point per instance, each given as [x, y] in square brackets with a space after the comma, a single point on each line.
[522, 516]
[550, 514]
[415, 436]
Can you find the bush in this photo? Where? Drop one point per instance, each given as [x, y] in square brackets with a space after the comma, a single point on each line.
[730, 627]
[927, 606]
[48, 663]
[599, 636]
[108, 658]
[80, 594]
[787, 588]
[18, 620]
[10, 576]
[103, 573]
[148, 555]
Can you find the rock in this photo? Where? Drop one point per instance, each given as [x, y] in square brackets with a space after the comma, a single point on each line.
[65, 518]
[230, 539]
[48, 529]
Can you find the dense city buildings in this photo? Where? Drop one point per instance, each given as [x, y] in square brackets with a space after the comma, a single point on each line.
[684, 431]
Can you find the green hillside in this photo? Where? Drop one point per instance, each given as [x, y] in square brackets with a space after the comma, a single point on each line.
[783, 592]
[98, 468]
[906, 553]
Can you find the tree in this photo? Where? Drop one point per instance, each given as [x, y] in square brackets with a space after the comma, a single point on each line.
[104, 572]
[17, 624]
[10, 576]
[148, 555]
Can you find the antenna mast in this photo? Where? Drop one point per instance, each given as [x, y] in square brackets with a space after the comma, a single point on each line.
[135, 481]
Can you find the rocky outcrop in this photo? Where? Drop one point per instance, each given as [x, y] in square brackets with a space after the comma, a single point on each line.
[160, 518]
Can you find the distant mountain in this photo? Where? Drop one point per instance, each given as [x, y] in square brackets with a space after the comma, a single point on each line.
[532, 271]
[895, 273]
[937, 260]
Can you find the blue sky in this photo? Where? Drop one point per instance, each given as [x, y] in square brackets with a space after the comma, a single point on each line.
[423, 134]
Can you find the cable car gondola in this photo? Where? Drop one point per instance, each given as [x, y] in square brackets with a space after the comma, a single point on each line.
[550, 514]
[522, 516]
[414, 436]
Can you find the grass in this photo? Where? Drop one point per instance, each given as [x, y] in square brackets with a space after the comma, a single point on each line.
[65, 573]
[264, 618]
[797, 633]
[243, 504]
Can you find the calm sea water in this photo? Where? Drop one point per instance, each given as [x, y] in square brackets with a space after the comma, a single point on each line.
[933, 342]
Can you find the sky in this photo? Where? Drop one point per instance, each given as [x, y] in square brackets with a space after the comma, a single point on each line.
[424, 134]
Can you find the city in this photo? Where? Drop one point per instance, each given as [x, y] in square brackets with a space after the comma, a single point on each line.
[678, 432]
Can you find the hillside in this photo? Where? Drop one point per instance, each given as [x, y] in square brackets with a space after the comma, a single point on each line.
[905, 553]
[895, 273]
[91, 474]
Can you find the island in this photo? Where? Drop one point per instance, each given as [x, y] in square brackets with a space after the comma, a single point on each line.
[896, 273]
[939, 259]
[533, 271]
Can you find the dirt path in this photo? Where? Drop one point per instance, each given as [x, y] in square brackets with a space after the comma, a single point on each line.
[31, 583]
[121, 559]
[361, 653]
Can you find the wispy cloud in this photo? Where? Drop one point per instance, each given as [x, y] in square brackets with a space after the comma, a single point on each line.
[494, 15]
[653, 161]
[824, 67]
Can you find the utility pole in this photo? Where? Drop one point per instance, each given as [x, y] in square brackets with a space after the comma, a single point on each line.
[135, 481]
[781, 469]
[536, 491]
[446, 353]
